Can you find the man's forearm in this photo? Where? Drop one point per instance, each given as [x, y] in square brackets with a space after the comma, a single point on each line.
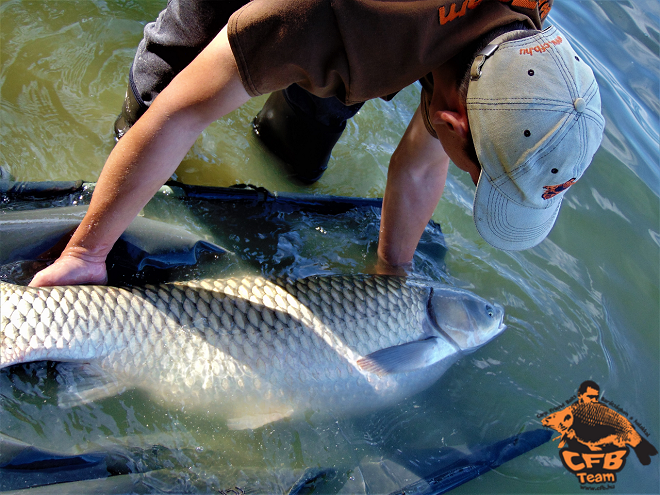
[140, 163]
[150, 152]
[415, 181]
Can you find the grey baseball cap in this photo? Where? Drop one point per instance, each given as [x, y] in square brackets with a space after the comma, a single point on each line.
[534, 111]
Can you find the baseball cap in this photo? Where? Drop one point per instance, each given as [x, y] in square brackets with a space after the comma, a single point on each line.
[534, 111]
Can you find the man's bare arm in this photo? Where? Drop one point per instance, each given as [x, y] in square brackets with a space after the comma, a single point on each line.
[415, 181]
[146, 157]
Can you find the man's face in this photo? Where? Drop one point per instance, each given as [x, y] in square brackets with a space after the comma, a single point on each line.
[591, 395]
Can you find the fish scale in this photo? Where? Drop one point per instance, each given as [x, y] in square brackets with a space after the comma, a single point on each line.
[243, 347]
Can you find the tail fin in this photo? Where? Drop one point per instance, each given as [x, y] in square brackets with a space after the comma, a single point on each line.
[644, 451]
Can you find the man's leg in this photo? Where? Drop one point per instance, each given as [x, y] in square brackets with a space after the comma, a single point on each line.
[297, 126]
[170, 43]
[302, 129]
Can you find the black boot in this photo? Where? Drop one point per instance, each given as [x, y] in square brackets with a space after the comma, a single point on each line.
[300, 141]
[131, 111]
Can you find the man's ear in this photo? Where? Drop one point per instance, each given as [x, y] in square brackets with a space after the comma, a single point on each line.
[457, 122]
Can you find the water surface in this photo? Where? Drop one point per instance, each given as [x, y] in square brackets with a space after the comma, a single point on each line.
[584, 304]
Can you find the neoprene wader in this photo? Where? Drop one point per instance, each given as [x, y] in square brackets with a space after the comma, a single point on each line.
[303, 143]
[131, 111]
[299, 128]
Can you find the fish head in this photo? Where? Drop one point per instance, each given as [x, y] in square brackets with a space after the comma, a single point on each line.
[467, 319]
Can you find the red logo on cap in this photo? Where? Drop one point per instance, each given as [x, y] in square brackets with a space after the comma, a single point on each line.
[552, 191]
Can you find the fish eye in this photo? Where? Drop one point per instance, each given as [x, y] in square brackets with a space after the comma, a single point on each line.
[489, 311]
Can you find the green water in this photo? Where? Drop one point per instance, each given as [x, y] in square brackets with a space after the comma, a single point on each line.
[584, 304]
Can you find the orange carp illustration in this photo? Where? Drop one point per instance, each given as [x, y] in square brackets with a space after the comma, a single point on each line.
[595, 425]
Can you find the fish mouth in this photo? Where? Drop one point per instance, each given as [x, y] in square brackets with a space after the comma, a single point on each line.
[491, 336]
[496, 329]
[501, 325]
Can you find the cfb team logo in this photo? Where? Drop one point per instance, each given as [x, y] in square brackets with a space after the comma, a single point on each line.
[595, 440]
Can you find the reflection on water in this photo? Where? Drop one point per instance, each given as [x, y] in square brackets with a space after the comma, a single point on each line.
[582, 305]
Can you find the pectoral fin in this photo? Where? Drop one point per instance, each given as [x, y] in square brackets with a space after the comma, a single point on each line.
[405, 357]
[85, 383]
[253, 421]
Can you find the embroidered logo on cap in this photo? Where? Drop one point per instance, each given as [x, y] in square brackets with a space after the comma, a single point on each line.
[541, 47]
[552, 191]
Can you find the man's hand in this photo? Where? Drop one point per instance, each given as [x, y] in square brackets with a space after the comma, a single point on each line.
[72, 268]
[382, 267]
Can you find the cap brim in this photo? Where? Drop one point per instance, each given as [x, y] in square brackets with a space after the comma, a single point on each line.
[507, 225]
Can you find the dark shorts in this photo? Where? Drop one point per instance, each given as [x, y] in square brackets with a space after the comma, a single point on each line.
[182, 31]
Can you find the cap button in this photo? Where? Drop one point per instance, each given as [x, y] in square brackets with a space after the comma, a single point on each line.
[579, 104]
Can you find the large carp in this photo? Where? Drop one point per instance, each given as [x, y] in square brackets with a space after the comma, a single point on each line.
[252, 350]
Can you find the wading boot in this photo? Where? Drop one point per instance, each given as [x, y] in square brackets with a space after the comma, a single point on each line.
[131, 111]
[303, 143]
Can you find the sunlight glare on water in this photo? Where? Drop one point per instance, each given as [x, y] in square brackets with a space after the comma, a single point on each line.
[582, 305]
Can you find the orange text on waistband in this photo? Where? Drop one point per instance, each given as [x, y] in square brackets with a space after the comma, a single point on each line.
[542, 47]
[448, 14]
[446, 17]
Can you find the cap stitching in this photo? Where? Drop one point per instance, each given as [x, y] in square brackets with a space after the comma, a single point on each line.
[556, 140]
[558, 137]
[501, 226]
[513, 108]
[525, 168]
[518, 101]
[527, 165]
[560, 62]
[584, 141]
[591, 113]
